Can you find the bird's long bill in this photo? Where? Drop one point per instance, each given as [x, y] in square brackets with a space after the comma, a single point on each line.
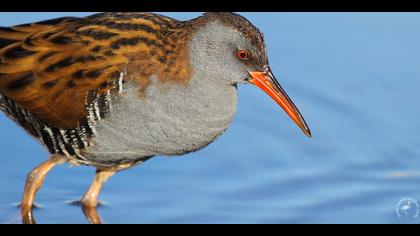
[268, 83]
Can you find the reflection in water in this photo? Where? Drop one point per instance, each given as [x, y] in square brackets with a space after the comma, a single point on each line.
[403, 174]
[91, 214]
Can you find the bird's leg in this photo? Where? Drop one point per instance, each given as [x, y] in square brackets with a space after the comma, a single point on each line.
[33, 183]
[90, 199]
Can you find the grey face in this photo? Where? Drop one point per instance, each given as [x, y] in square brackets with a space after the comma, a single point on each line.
[224, 54]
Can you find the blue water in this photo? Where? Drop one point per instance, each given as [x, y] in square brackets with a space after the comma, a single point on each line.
[355, 78]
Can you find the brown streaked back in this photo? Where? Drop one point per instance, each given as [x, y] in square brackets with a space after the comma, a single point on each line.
[48, 68]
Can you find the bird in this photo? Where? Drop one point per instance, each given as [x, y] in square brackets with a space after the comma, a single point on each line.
[112, 90]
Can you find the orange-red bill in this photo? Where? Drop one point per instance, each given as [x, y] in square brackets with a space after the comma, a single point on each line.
[268, 83]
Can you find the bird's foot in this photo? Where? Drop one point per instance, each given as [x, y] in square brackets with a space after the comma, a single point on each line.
[79, 203]
[35, 205]
[90, 212]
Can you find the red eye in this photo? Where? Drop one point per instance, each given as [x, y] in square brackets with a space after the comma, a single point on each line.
[242, 55]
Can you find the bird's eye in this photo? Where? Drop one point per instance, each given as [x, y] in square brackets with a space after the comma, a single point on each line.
[242, 54]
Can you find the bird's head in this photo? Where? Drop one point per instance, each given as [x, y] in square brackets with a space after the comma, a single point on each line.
[231, 50]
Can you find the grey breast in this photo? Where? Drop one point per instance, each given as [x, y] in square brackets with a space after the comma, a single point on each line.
[173, 119]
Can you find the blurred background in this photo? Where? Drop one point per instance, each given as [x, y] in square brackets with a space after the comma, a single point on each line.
[356, 79]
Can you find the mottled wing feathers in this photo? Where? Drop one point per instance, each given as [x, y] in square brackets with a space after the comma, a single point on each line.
[48, 68]
[51, 68]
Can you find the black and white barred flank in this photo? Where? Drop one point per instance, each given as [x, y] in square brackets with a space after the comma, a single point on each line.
[67, 142]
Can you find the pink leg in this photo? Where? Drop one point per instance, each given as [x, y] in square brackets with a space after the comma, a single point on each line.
[34, 182]
[90, 199]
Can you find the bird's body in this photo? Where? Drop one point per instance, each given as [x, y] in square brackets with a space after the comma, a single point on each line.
[112, 90]
[185, 120]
